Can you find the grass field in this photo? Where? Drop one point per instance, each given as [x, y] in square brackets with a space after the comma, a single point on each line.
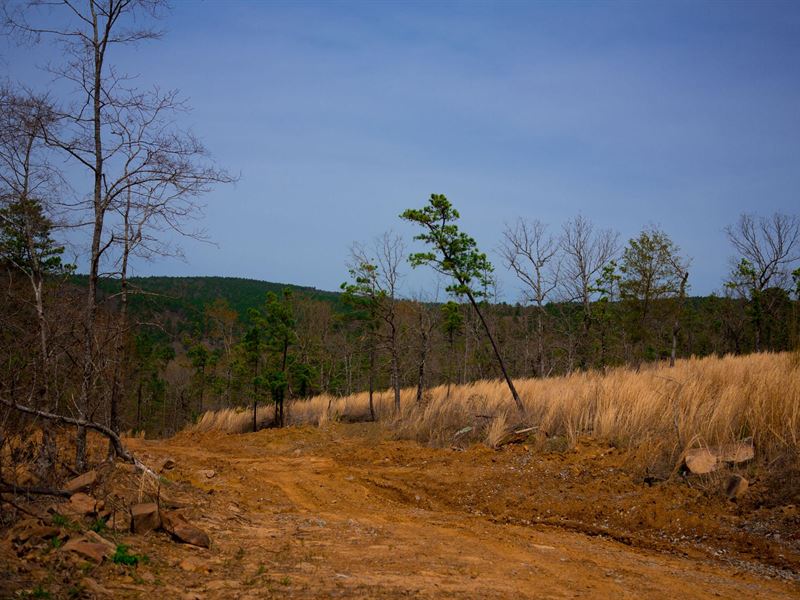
[665, 410]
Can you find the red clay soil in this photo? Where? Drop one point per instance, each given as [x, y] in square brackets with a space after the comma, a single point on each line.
[340, 511]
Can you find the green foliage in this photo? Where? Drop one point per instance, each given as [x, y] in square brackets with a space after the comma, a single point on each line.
[25, 242]
[148, 358]
[277, 382]
[651, 267]
[456, 254]
[452, 319]
[188, 297]
[122, 556]
[200, 356]
[363, 294]
[62, 521]
[744, 278]
[607, 285]
[303, 376]
[279, 322]
[263, 358]
[99, 525]
[452, 252]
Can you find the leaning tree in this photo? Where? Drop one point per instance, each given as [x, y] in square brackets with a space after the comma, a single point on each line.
[455, 254]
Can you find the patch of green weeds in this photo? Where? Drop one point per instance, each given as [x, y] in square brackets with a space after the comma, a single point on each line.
[62, 521]
[122, 556]
[99, 526]
[55, 543]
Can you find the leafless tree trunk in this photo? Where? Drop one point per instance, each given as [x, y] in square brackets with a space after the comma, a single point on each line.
[125, 131]
[28, 183]
[533, 255]
[426, 322]
[586, 252]
[390, 254]
[377, 275]
[87, 34]
[765, 247]
[371, 376]
[676, 326]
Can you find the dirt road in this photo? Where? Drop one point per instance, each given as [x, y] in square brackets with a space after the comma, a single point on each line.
[315, 513]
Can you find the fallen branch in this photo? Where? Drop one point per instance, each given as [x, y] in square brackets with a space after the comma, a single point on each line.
[518, 436]
[8, 488]
[20, 508]
[119, 448]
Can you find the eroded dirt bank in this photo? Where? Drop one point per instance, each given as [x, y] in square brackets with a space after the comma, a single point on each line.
[339, 512]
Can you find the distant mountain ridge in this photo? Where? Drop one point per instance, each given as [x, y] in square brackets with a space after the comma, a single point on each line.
[189, 295]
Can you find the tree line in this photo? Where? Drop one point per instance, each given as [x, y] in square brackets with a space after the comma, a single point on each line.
[79, 351]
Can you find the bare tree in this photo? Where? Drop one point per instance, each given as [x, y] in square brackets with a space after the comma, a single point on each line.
[376, 274]
[426, 315]
[29, 183]
[586, 252]
[766, 249]
[163, 174]
[534, 257]
[681, 268]
[118, 134]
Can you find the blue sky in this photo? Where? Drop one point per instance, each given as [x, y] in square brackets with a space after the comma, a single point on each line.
[340, 115]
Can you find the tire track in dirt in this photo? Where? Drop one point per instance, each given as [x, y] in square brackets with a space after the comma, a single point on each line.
[363, 531]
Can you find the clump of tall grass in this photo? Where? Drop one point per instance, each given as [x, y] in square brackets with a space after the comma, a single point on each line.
[234, 420]
[700, 401]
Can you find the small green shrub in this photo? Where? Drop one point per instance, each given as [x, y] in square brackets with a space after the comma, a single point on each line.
[99, 526]
[62, 521]
[123, 557]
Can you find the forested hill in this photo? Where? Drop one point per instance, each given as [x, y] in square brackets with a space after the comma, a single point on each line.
[190, 295]
[192, 343]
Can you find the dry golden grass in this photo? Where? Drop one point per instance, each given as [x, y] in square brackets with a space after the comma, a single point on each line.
[706, 401]
[233, 420]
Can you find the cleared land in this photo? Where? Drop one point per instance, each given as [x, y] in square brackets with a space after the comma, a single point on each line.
[351, 510]
[338, 511]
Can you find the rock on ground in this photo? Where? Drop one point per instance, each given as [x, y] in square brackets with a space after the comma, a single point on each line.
[145, 517]
[176, 524]
[82, 482]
